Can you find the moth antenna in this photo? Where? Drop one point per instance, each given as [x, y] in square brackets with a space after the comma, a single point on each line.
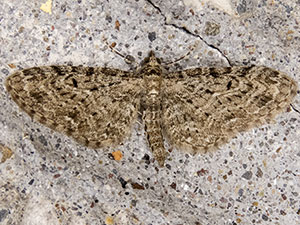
[128, 58]
[191, 49]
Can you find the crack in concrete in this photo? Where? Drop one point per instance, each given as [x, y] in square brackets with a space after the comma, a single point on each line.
[184, 29]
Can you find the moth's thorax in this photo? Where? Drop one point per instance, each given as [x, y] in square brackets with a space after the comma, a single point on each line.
[152, 84]
[152, 72]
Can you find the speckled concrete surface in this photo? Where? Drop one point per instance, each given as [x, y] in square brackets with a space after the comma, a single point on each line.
[46, 178]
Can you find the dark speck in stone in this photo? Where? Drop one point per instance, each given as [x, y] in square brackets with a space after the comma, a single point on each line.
[241, 192]
[173, 185]
[123, 182]
[63, 8]
[31, 182]
[242, 7]
[137, 186]
[3, 214]
[108, 19]
[43, 140]
[247, 175]
[259, 172]
[5, 71]
[133, 203]
[146, 158]
[152, 36]
[264, 217]
[168, 166]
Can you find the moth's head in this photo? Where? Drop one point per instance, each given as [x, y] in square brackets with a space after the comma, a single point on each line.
[151, 65]
[151, 60]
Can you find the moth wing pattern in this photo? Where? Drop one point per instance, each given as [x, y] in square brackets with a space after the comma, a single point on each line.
[203, 108]
[197, 110]
[95, 106]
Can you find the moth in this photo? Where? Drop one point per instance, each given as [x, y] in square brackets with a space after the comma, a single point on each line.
[195, 110]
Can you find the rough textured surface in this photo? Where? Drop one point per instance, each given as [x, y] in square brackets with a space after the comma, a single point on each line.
[47, 178]
[198, 109]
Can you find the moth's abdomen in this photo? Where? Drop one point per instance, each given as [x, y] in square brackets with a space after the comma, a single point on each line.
[152, 118]
[153, 129]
